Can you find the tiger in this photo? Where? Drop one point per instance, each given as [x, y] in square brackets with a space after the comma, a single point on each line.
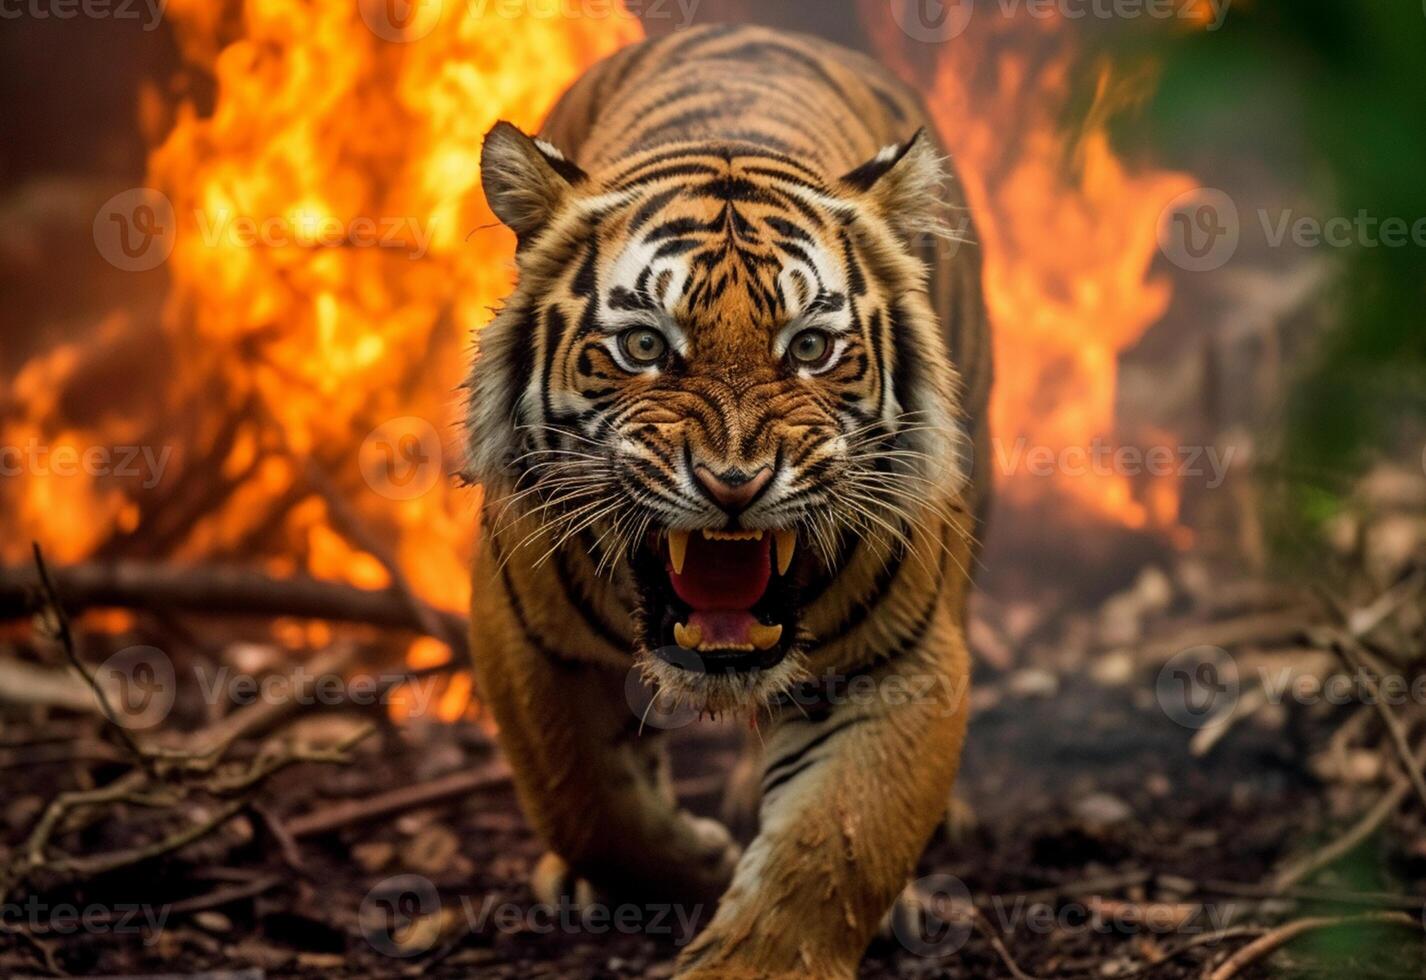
[727, 427]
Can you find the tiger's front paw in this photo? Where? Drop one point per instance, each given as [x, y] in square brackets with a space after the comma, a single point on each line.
[555, 884]
[718, 852]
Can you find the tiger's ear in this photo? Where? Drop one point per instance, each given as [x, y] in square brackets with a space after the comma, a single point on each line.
[525, 179]
[905, 182]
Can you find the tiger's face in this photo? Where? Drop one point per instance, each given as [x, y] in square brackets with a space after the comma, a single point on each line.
[718, 368]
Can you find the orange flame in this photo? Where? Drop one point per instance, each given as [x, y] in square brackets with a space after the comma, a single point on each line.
[333, 258]
[1068, 235]
[349, 141]
[334, 255]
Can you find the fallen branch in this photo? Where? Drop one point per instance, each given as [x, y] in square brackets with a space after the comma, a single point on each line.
[220, 591]
[1264, 629]
[350, 523]
[28, 685]
[1307, 866]
[1274, 940]
[167, 778]
[457, 784]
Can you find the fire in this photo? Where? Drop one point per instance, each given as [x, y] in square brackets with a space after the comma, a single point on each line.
[334, 256]
[1068, 235]
[346, 142]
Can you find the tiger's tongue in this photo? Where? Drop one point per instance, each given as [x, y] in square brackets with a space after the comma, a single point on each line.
[723, 576]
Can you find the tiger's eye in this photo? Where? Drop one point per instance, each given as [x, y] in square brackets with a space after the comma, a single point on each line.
[643, 346]
[810, 348]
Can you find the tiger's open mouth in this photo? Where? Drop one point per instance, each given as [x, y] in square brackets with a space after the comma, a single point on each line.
[719, 602]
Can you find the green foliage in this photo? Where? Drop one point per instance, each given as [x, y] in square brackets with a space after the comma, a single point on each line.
[1330, 97]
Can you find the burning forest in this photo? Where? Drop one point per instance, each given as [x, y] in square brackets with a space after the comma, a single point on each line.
[253, 249]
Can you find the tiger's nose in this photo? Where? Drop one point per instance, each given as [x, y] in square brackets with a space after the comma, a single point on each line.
[733, 490]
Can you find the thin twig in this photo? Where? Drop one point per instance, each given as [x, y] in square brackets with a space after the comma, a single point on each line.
[65, 636]
[1284, 934]
[1370, 822]
[455, 785]
[1411, 764]
[988, 930]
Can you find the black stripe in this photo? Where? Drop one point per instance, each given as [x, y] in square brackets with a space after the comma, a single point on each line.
[906, 372]
[787, 761]
[787, 777]
[679, 227]
[888, 102]
[870, 602]
[875, 326]
[676, 247]
[651, 207]
[847, 548]
[678, 153]
[854, 267]
[518, 610]
[523, 351]
[684, 125]
[677, 170]
[555, 326]
[640, 112]
[750, 139]
[786, 228]
[757, 52]
[584, 600]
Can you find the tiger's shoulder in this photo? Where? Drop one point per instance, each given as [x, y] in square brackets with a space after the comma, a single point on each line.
[795, 93]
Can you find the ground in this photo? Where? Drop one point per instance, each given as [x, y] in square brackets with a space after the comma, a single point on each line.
[1093, 841]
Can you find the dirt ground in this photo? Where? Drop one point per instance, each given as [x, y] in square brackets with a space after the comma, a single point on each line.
[1091, 839]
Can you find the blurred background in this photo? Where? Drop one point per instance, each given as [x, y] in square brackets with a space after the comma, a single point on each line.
[246, 259]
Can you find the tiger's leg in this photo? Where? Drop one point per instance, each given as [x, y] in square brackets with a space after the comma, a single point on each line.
[594, 789]
[850, 798]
